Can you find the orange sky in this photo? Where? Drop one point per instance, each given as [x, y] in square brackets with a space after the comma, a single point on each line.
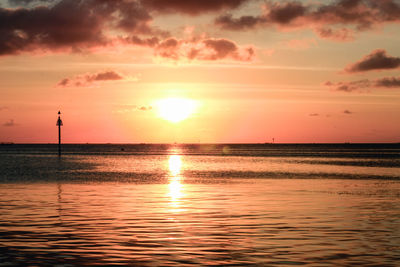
[296, 71]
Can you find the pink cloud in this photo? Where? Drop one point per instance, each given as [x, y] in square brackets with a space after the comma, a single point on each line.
[203, 49]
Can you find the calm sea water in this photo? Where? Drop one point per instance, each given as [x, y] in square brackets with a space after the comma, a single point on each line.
[161, 205]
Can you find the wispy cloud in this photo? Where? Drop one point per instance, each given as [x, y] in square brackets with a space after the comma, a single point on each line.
[131, 108]
[10, 123]
[365, 84]
[88, 79]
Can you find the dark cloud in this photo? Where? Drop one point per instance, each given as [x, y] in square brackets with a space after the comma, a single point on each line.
[191, 7]
[275, 13]
[203, 49]
[348, 112]
[325, 19]
[376, 60]
[82, 25]
[10, 123]
[133, 18]
[90, 79]
[388, 82]
[242, 23]
[69, 25]
[284, 13]
[314, 115]
[366, 84]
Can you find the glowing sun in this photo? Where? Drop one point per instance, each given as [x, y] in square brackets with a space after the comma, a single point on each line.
[176, 109]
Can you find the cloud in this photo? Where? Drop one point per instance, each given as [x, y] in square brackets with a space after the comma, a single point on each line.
[313, 115]
[362, 85]
[90, 79]
[3, 108]
[85, 25]
[70, 25]
[339, 35]
[356, 15]
[347, 112]
[131, 108]
[203, 49]
[284, 13]
[274, 13]
[389, 82]
[10, 123]
[376, 60]
[144, 108]
[350, 86]
[228, 22]
[27, 2]
[191, 7]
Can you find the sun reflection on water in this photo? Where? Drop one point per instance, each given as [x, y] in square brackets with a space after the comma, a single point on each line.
[175, 165]
[175, 185]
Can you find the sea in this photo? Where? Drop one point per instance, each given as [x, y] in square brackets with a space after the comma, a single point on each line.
[200, 205]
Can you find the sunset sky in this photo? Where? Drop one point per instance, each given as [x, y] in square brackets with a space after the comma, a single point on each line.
[231, 71]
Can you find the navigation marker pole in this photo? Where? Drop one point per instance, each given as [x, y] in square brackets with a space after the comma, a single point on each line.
[59, 124]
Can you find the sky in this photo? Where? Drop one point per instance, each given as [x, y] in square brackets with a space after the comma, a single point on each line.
[208, 71]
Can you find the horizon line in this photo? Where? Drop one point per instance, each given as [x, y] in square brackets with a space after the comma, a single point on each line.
[199, 143]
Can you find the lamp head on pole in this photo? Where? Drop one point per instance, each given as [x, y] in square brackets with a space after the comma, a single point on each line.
[59, 121]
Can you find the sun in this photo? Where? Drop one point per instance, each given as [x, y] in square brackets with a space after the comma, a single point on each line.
[176, 109]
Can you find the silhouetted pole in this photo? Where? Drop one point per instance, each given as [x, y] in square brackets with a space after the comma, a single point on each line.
[59, 124]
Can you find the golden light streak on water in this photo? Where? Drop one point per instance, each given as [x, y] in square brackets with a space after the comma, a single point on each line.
[175, 189]
[175, 185]
[175, 164]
